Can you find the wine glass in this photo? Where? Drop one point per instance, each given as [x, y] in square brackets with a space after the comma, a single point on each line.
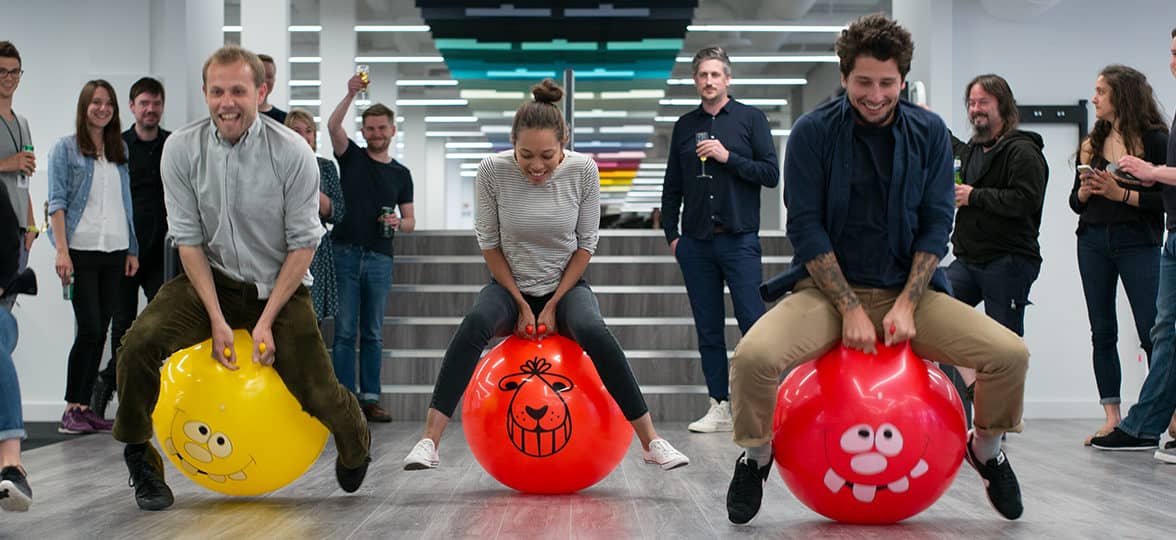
[698, 138]
[364, 72]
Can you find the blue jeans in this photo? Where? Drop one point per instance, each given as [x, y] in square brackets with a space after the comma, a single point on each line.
[364, 278]
[1157, 399]
[706, 264]
[11, 420]
[1002, 284]
[1107, 253]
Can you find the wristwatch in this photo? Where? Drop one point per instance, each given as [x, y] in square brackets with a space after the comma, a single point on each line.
[33, 229]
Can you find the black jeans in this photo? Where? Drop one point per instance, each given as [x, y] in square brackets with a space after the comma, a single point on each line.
[126, 305]
[577, 317]
[96, 282]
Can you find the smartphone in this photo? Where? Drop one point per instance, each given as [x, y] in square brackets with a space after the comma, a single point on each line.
[1085, 169]
[1115, 170]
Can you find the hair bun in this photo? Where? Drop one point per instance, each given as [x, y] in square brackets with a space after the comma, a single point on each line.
[547, 92]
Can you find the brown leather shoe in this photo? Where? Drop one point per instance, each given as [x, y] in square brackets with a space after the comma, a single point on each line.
[374, 413]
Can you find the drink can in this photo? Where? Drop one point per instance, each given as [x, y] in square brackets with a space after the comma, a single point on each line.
[386, 229]
[67, 290]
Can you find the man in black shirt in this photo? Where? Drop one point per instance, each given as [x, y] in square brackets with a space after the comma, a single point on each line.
[999, 196]
[145, 144]
[374, 186]
[271, 75]
[721, 155]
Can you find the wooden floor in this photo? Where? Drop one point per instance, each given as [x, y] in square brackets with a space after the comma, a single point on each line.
[80, 491]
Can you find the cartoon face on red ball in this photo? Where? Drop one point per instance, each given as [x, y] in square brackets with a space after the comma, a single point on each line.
[866, 459]
[538, 422]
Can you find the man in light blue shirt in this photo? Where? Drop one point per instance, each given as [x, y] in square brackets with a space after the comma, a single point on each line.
[241, 194]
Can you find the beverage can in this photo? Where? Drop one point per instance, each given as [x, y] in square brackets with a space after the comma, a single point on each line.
[386, 229]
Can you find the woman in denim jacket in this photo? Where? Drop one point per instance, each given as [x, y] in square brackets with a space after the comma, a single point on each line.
[91, 222]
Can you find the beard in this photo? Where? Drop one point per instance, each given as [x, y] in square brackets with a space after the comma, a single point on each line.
[982, 132]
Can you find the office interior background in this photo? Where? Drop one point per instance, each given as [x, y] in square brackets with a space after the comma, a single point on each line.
[455, 81]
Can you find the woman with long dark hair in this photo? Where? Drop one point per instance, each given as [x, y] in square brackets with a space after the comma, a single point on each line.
[93, 231]
[1119, 229]
[537, 221]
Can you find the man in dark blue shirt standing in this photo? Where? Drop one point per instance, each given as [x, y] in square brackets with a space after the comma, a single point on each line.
[721, 155]
[870, 199]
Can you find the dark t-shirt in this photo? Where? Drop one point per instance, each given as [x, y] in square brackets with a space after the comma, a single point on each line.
[369, 185]
[867, 220]
[150, 215]
[276, 114]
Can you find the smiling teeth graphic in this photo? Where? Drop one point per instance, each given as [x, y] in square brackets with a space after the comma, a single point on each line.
[865, 493]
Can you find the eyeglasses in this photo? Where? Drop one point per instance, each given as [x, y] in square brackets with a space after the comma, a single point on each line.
[16, 73]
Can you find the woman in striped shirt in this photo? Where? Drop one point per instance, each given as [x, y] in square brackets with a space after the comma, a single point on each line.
[537, 218]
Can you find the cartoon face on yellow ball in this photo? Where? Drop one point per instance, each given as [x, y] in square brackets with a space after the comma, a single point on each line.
[202, 450]
[237, 432]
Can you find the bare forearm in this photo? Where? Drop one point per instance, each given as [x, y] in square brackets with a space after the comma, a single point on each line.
[407, 224]
[1164, 175]
[335, 124]
[922, 268]
[500, 270]
[32, 215]
[828, 276]
[289, 278]
[572, 274]
[200, 274]
[58, 219]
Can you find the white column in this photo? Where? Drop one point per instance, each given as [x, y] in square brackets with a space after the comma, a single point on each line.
[264, 30]
[431, 182]
[930, 24]
[411, 133]
[203, 34]
[337, 50]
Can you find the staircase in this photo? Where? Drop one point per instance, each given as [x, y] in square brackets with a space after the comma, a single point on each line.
[437, 276]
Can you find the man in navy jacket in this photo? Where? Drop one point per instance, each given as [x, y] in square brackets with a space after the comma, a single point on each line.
[868, 184]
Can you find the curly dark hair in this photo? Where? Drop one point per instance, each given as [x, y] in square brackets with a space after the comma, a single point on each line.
[542, 112]
[878, 36]
[1136, 109]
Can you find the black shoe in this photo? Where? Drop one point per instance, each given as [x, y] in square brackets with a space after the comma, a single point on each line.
[1120, 440]
[15, 493]
[1170, 444]
[103, 393]
[146, 468]
[351, 479]
[999, 482]
[746, 491]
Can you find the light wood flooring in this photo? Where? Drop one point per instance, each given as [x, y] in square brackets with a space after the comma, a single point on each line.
[80, 491]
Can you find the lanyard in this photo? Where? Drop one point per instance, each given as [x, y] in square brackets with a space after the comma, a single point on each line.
[19, 146]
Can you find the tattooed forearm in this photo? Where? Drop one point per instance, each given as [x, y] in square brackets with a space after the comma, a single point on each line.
[827, 274]
[921, 270]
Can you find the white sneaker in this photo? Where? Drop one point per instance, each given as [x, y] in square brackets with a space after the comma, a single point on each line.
[718, 418]
[423, 456]
[662, 453]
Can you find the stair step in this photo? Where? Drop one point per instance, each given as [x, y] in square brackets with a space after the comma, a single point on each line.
[647, 389]
[639, 353]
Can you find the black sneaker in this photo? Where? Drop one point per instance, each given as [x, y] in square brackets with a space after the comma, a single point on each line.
[15, 493]
[746, 491]
[1170, 445]
[1120, 440]
[1004, 493]
[146, 468]
[351, 479]
[103, 393]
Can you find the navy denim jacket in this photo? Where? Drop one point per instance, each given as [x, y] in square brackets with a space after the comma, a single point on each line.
[817, 168]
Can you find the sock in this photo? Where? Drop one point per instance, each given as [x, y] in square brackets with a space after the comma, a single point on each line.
[762, 455]
[985, 447]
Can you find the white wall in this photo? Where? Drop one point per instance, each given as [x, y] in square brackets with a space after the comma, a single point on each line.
[1053, 59]
[64, 43]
